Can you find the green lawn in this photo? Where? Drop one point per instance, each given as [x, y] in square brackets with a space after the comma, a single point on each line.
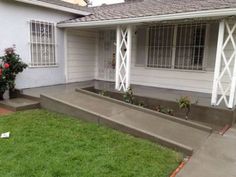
[46, 144]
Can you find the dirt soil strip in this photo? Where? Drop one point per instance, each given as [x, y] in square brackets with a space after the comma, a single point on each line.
[4, 111]
[224, 129]
[180, 167]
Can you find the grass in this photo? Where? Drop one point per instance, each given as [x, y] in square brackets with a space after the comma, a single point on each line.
[46, 144]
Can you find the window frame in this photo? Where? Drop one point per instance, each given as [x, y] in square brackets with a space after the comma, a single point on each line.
[54, 43]
[175, 36]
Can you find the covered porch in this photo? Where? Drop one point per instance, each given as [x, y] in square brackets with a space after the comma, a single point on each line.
[201, 111]
[191, 55]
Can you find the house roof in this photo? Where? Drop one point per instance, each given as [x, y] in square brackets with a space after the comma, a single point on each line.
[149, 8]
[59, 5]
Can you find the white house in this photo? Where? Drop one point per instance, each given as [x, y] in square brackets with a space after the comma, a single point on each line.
[184, 45]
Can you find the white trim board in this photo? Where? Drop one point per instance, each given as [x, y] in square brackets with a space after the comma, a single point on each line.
[54, 6]
[177, 16]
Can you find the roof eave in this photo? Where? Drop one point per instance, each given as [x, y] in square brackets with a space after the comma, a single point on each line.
[176, 16]
[55, 7]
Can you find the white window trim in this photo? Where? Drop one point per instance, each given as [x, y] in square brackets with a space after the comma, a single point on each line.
[56, 65]
[206, 48]
[204, 65]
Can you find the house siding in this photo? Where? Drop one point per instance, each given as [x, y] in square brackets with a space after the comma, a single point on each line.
[199, 81]
[81, 55]
[15, 29]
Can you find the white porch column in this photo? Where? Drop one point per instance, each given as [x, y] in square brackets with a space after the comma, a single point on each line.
[123, 57]
[225, 67]
[218, 63]
[118, 41]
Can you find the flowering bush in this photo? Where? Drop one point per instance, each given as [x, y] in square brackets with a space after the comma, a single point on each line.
[10, 66]
[3, 79]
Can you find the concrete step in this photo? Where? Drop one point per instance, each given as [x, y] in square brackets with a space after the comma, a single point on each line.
[169, 131]
[19, 104]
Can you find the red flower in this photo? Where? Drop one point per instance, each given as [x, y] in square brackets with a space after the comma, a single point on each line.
[6, 65]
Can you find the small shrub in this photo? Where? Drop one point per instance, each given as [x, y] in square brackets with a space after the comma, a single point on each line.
[4, 77]
[129, 96]
[165, 110]
[103, 93]
[12, 62]
[141, 104]
[185, 104]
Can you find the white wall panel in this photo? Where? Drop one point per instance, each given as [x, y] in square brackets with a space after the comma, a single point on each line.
[81, 53]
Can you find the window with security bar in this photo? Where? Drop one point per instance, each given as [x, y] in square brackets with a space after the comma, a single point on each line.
[42, 44]
[177, 46]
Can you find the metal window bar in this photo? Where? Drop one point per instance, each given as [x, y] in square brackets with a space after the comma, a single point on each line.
[187, 48]
[160, 46]
[42, 43]
[195, 46]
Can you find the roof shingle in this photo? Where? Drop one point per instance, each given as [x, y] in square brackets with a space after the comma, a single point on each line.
[151, 8]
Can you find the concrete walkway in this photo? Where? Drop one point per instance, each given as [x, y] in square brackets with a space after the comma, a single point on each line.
[216, 158]
[174, 132]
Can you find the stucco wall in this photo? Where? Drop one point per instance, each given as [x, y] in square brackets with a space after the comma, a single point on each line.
[15, 29]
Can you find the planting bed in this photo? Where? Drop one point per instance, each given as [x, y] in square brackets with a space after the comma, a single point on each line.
[211, 116]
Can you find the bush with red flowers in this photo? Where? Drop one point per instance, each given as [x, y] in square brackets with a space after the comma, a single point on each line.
[3, 79]
[10, 66]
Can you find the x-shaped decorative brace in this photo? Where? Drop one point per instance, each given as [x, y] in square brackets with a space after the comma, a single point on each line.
[225, 66]
[123, 57]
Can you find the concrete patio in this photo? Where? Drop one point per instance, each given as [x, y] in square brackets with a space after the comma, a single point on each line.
[154, 92]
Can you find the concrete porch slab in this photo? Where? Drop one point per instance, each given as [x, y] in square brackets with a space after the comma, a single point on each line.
[55, 89]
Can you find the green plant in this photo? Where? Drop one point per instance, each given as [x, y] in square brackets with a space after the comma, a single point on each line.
[165, 110]
[13, 65]
[129, 96]
[141, 104]
[185, 103]
[4, 78]
[103, 93]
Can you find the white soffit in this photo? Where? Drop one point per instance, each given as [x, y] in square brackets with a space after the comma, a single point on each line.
[55, 7]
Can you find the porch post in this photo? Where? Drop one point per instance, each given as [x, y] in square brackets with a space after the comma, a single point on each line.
[233, 79]
[225, 66]
[129, 48]
[123, 57]
[118, 41]
[218, 63]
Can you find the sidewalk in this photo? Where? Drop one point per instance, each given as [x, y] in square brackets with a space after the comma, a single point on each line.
[216, 158]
